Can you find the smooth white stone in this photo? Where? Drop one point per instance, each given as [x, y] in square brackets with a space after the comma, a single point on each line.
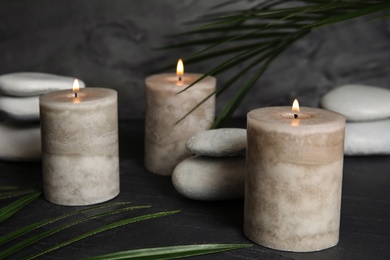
[358, 102]
[218, 142]
[20, 108]
[363, 138]
[210, 179]
[20, 142]
[22, 84]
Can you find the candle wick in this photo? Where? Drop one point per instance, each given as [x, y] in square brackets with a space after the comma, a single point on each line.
[295, 115]
[75, 94]
[179, 78]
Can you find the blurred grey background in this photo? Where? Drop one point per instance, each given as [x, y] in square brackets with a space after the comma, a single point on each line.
[108, 43]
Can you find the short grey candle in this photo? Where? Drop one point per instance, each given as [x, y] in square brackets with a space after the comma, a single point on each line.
[80, 159]
[294, 176]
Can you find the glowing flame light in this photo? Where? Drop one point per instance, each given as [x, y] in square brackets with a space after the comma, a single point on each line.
[295, 106]
[76, 86]
[180, 69]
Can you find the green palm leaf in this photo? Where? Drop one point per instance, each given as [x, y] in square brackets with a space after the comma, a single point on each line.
[2, 188]
[14, 193]
[170, 252]
[271, 24]
[105, 228]
[36, 238]
[21, 231]
[348, 16]
[14, 207]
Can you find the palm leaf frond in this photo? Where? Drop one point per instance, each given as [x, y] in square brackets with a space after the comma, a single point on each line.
[26, 242]
[275, 25]
[16, 192]
[24, 230]
[14, 207]
[105, 228]
[170, 252]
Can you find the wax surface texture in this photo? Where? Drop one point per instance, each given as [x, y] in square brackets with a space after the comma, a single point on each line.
[165, 138]
[80, 146]
[294, 176]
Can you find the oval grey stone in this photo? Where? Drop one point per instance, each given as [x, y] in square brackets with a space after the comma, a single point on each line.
[218, 142]
[24, 84]
[210, 179]
[358, 102]
[366, 138]
[20, 108]
[20, 142]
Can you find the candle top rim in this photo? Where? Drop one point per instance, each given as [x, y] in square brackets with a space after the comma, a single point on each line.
[191, 74]
[86, 95]
[314, 117]
[169, 79]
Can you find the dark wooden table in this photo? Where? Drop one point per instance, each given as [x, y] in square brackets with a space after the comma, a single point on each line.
[365, 216]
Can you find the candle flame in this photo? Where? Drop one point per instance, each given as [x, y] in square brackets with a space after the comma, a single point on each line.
[180, 69]
[295, 106]
[76, 86]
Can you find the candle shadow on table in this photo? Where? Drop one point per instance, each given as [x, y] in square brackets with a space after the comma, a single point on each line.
[131, 140]
[25, 174]
[145, 187]
[227, 214]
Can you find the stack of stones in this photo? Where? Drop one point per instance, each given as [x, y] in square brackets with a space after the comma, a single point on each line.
[20, 138]
[217, 170]
[367, 110]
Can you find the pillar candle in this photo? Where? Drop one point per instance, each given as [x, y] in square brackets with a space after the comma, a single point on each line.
[80, 160]
[165, 137]
[294, 175]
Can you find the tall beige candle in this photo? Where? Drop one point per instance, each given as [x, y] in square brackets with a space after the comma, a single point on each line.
[164, 139]
[294, 175]
[80, 160]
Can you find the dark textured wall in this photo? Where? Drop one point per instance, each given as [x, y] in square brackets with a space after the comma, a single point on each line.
[108, 44]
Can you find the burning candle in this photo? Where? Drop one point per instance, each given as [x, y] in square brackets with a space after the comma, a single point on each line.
[165, 135]
[294, 175]
[80, 161]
